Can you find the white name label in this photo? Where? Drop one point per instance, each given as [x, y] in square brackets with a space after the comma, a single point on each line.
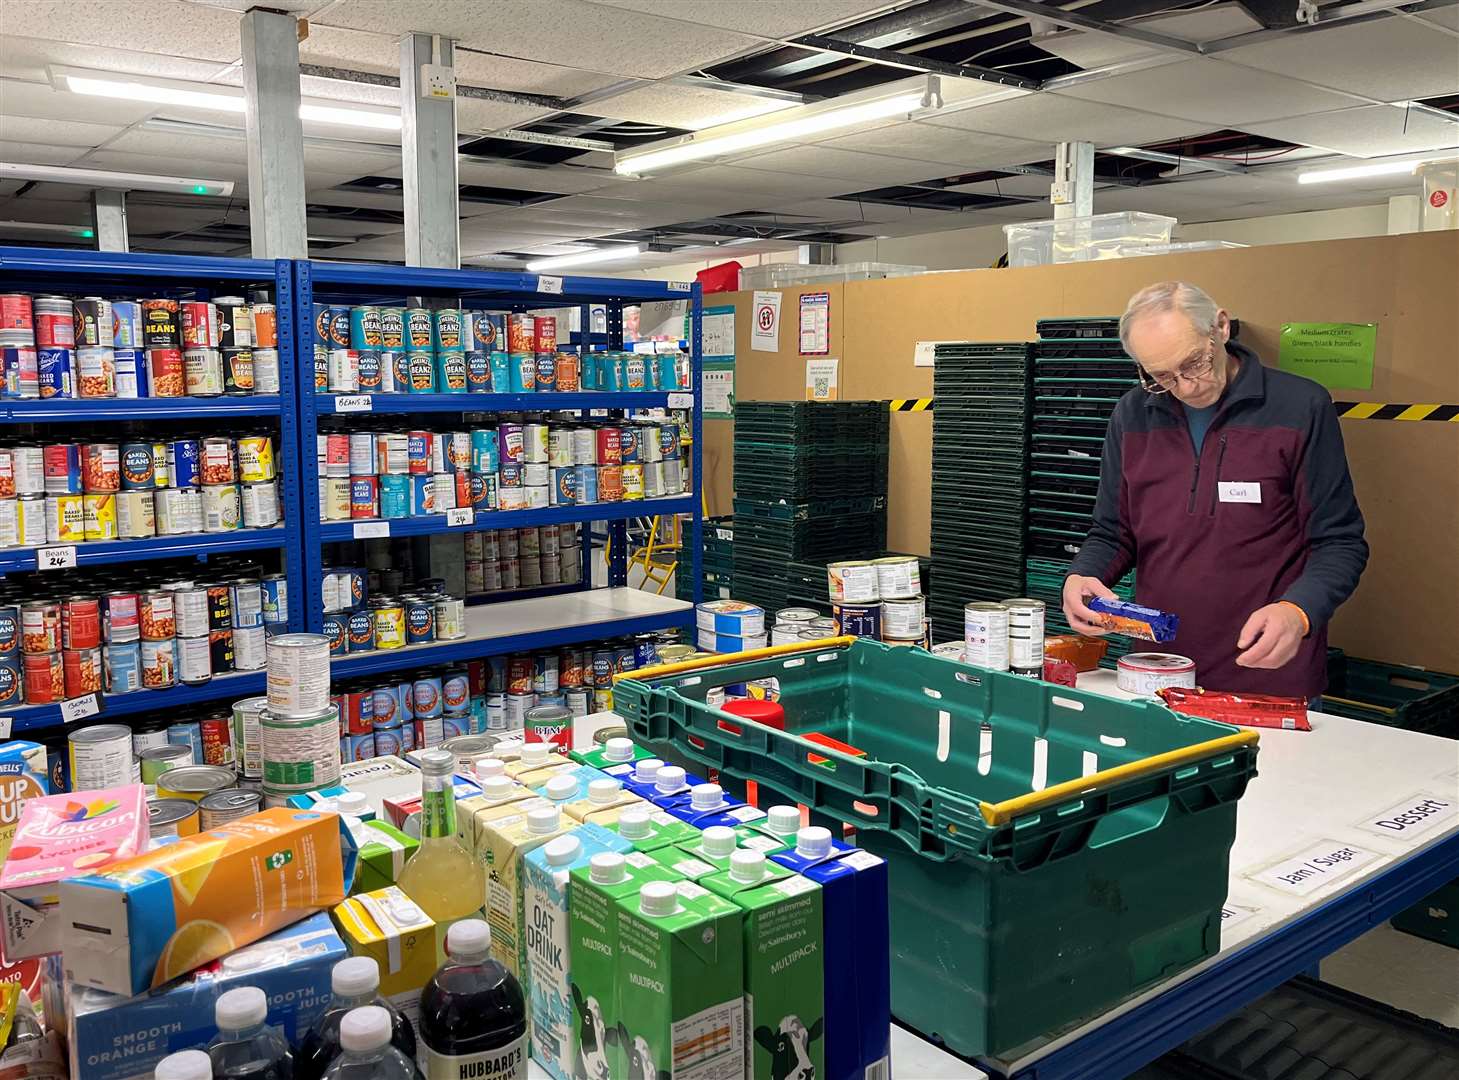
[366, 530]
[549, 284]
[1414, 816]
[55, 558]
[461, 515]
[353, 403]
[6, 723]
[681, 401]
[1319, 866]
[79, 708]
[680, 286]
[1239, 491]
[1234, 914]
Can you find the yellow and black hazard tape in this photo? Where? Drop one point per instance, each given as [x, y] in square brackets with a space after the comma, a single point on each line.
[920, 404]
[1382, 410]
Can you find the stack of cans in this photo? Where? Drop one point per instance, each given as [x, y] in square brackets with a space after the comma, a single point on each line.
[500, 560]
[357, 621]
[415, 711]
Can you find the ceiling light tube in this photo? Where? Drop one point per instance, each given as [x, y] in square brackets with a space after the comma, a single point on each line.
[1359, 172]
[115, 181]
[780, 127]
[585, 258]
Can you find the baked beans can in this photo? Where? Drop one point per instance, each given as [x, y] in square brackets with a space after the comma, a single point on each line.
[194, 660]
[298, 674]
[159, 663]
[610, 483]
[165, 372]
[120, 616]
[259, 505]
[334, 448]
[135, 514]
[136, 467]
[178, 511]
[903, 618]
[395, 495]
[100, 756]
[521, 331]
[632, 482]
[161, 466]
[334, 500]
[80, 622]
[300, 753]
[609, 446]
[194, 782]
[425, 697]
[221, 509]
[199, 324]
[91, 321]
[158, 615]
[30, 520]
[28, 466]
[336, 628]
[187, 734]
[235, 323]
[420, 620]
[265, 370]
[238, 377]
[392, 453]
[247, 751]
[478, 372]
[418, 452]
[364, 497]
[217, 743]
[62, 465]
[9, 629]
[55, 374]
[451, 372]
[45, 678]
[221, 807]
[54, 321]
[122, 666]
[275, 589]
[216, 461]
[356, 711]
[65, 519]
[184, 463]
[255, 458]
[20, 368]
[265, 325]
[344, 371]
[360, 632]
[202, 372]
[421, 370]
[321, 368]
[190, 608]
[249, 646]
[99, 516]
[362, 453]
[366, 331]
[389, 618]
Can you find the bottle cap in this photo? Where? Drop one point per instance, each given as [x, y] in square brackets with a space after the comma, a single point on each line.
[603, 792]
[535, 753]
[658, 898]
[706, 797]
[719, 841]
[813, 843]
[486, 766]
[353, 803]
[561, 787]
[437, 762]
[562, 850]
[669, 779]
[185, 1065]
[607, 868]
[783, 820]
[619, 750]
[355, 976]
[241, 1008]
[747, 866]
[543, 820]
[364, 1029]
[633, 823]
[497, 787]
[508, 748]
[646, 769]
[469, 937]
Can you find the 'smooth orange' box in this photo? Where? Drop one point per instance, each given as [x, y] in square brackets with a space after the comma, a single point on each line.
[146, 920]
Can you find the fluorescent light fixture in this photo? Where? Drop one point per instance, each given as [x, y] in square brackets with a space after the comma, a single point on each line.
[1405, 166]
[117, 181]
[585, 258]
[84, 232]
[790, 125]
[350, 117]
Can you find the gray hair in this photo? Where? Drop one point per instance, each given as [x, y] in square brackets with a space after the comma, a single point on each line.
[1190, 300]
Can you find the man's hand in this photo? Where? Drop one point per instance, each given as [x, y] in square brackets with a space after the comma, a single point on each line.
[1077, 591]
[1270, 637]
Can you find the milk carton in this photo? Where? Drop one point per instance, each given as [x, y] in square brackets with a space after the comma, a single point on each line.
[544, 897]
[593, 956]
[601, 800]
[681, 969]
[858, 980]
[638, 777]
[784, 976]
[714, 845]
[389, 927]
[496, 791]
[773, 833]
[23, 775]
[707, 804]
[617, 751]
[671, 786]
[59, 836]
[534, 757]
[683, 865]
[651, 828]
[502, 843]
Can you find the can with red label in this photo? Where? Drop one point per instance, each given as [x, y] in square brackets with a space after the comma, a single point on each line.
[40, 626]
[419, 446]
[521, 333]
[55, 322]
[544, 334]
[81, 671]
[165, 375]
[356, 712]
[217, 740]
[101, 470]
[62, 465]
[45, 678]
[17, 320]
[364, 496]
[80, 622]
[265, 326]
[609, 446]
[199, 324]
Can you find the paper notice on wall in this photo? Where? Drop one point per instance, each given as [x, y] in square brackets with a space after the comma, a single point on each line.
[718, 333]
[1337, 355]
[765, 331]
[815, 324]
[820, 379]
[717, 388]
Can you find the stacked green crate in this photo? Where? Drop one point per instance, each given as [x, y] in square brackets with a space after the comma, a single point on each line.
[717, 566]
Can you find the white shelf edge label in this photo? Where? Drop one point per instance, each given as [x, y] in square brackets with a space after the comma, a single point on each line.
[367, 530]
[547, 284]
[6, 723]
[55, 558]
[1316, 867]
[461, 515]
[1235, 914]
[681, 401]
[1406, 821]
[79, 708]
[680, 286]
[345, 403]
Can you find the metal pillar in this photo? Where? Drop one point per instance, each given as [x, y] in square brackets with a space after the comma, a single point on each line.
[428, 157]
[275, 136]
[1072, 192]
[109, 219]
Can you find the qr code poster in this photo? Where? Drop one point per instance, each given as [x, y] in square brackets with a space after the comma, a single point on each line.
[820, 379]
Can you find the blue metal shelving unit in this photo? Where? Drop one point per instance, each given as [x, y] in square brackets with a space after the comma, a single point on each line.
[495, 291]
[123, 275]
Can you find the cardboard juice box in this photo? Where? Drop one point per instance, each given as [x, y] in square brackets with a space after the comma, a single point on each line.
[619, 751]
[23, 775]
[544, 896]
[602, 795]
[404, 811]
[495, 791]
[58, 836]
[681, 969]
[532, 758]
[784, 967]
[651, 828]
[116, 1038]
[380, 778]
[390, 928]
[502, 844]
[583, 775]
[146, 920]
[384, 850]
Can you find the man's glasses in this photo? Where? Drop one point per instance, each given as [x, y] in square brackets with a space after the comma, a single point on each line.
[1165, 381]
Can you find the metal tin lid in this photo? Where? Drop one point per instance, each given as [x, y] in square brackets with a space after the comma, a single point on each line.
[169, 811]
[196, 779]
[231, 800]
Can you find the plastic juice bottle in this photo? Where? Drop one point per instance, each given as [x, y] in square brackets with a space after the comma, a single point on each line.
[185, 1065]
[355, 983]
[473, 1014]
[442, 877]
[366, 1050]
[246, 1048]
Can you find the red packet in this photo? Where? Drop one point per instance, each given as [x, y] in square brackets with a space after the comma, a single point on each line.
[1243, 710]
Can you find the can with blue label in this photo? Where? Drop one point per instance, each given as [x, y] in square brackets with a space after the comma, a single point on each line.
[369, 371]
[336, 629]
[138, 467]
[557, 698]
[392, 329]
[183, 467]
[546, 364]
[454, 726]
[451, 372]
[395, 495]
[131, 373]
[126, 325]
[9, 630]
[501, 373]
[360, 630]
[421, 372]
[387, 739]
[188, 734]
[420, 619]
[422, 495]
[625, 658]
[399, 370]
[385, 701]
[522, 372]
[321, 325]
[484, 458]
[585, 483]
[478, 372]
[122, 666]
[645, 651]
[630, 443]
[565, 485]
[339, 327]
[455, 692]
[357, 747]
[425, 695]
[418, 452]
[483, 491]
[488, 331]
[366, 331]
[668, 441]
[275, 598]
[359, 586]
[446, 331]
[11, 686]
[405, 694]
[54, 367]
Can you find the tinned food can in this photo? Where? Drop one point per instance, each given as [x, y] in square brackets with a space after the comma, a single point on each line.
[300, 753]
[195, 782]
[247, 749]
[223, 806]
[100, 756]
[171, 817]
[298, 674]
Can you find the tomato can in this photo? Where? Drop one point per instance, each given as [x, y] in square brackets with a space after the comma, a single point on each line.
[55, 322]
[80, 622]
[45, 678]
[217, 740]
[81, 670]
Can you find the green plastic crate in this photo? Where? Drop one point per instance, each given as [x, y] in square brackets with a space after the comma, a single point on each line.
[1435, 917]
[1395, 695]
[1020, 903]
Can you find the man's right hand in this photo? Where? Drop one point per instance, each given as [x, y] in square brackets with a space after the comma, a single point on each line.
[1077, 591]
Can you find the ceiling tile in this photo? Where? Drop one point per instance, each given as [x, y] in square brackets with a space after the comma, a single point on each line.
[765, 18]
[527, 76]
[478, 115]
[559, 180]
[179, 28]
[37, 153]
[39, 100]
[1051, 118]
[1368, 131]
[868, 170]
[157, 165]
[926, 140]
[201, 150]
[54, 132]
[1447, 16]
[735, 188]
[689, 107]
[25, 58]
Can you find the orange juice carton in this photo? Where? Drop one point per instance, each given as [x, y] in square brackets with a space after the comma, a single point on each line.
[23, 775]
[389, 927]
[58, 836]
[149, 919]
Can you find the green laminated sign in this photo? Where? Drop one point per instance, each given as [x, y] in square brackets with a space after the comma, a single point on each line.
[1337, 355]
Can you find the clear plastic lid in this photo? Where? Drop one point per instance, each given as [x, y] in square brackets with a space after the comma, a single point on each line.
[618, 750]
[240, 1008]
[813, 842]
[783, 820]
[185, 1065]
[356, 976]
[669, 779]
[469, 937]
[364, 1029]
[562, 850]
[645, 770]
[608, 868]
[658, 898]
[706, 797]
[719, 841]
[633, 823]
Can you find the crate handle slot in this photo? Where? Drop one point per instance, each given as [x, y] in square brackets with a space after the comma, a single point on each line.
[825, 656]
[693, 680]
[1090, 764]
[1067, 703]
[985, 749]
[725, 725]
[968, 677]
[865, 809]
[1130, 822]
[1040, 764]
[944, 734]
[1410, 682]
[936, 694]
[1113, 740]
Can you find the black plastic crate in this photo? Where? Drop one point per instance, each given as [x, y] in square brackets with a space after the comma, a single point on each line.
[1086, 326]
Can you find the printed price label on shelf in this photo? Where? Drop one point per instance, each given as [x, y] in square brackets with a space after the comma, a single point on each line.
[80, 708]
[5, 724]
[597, 412]
[681, 401]
[461, 515]
[353, 403]
[55, 558]
[680, 286]
[1322, 864]
[369, 530]
[549, 284]
[1408, 820]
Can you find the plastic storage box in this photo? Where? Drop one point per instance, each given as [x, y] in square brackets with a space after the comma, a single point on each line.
[1085, 239]
[1394, 695]
[1051, 851]
[781, 275]
[1185, 247]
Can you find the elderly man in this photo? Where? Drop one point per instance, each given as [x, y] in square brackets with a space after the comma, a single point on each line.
[1224, 483]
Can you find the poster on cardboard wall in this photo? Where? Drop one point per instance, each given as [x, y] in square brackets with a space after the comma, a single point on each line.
[765, 330]
[815, 324]
[717, 333]
[820, 379]
[717, 390]
[1337, 355]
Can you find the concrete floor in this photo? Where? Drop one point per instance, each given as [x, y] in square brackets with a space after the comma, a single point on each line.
[1401, 970]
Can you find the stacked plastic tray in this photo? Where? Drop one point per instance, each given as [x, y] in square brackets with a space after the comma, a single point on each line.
[718, 565]
[979, 477]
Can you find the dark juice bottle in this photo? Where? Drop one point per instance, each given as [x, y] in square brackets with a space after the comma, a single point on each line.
[473, 1015]
[355, 983]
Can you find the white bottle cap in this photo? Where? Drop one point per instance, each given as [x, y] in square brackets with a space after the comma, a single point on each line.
[561, 787]
[658, 898]
[669, 779]
[562, 850]
[747, 866]
[706, 797]
[469, 937]
[535, 753]
[543, 820]
[486, 766]
[646, 769]
[619, 750]
[604, 792]
[719, 841]
[497, 787]
[633, 822]
[239, 1009]
[607, 868]
[353, 803]
[355, 976]
[364, 1029]
[813, 842]
[185, 1065]
[506, 748]
[783, 820]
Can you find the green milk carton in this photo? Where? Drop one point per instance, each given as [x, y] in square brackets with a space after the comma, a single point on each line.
[650, 828]
[593, 892]
[714, 845]
[681, 863]
[784, 966]
[774, 832]
[681, 973]
[616, 751]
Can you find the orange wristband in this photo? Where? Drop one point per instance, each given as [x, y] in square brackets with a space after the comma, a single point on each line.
[1306, 622]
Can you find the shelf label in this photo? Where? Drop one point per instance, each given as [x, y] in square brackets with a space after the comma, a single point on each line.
[597, 412]
[367, 530]
[1320, 865]
[1410, 819]
[79, 708]
[549, 284]
[680, 286]
[6, 723]
[353, 403]
[681, 401]
[1234, 915]
[55, 558]
[461, 515]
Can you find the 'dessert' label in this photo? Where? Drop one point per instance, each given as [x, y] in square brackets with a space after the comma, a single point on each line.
[504, 1063]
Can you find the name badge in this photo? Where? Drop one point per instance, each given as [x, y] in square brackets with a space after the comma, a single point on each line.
[1239, 491]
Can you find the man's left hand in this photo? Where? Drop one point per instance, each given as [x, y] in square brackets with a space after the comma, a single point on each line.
[1270, 637]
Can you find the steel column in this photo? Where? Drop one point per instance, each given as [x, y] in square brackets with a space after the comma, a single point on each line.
[109, 219]
[1072, 192]
[310, 577]
[428, 158]
[275, 136]
[696, 450]
[617, 530]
